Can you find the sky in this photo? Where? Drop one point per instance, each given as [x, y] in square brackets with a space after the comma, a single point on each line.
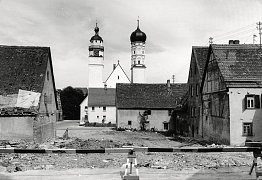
[172, 28]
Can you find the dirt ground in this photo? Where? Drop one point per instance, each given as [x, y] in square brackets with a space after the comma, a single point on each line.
[97, 138]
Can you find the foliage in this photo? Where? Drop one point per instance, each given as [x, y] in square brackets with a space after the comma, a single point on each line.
[71, 99]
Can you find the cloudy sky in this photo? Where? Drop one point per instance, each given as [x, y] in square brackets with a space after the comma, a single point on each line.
[172, 28]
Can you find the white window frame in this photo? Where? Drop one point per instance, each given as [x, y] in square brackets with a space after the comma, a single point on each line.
[247, 129]
[250, 102]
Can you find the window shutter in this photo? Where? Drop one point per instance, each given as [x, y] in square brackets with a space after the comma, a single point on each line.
[257, 101]
[244, 103]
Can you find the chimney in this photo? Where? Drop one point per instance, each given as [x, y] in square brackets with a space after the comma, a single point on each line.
[114, 66]
[236, 42]
[231, 42]
[168, 84]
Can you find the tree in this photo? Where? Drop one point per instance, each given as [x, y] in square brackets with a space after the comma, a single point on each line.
[71, 99]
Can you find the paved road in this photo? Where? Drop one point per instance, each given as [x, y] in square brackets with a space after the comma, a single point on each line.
[144, 174]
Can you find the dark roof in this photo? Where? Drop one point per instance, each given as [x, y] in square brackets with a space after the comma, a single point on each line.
[22, 68]
[200, 53]
[138, 35]
[149, 96]
[96, 36]
[101, 97]
[241, 63]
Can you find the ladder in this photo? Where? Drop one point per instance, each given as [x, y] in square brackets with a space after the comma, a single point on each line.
[131, 161]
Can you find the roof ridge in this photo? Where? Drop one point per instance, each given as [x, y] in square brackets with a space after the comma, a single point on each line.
[15, 46]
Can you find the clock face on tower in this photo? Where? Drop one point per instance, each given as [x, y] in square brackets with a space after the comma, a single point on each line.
[96, 53]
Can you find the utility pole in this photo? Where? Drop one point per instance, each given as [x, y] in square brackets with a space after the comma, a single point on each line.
[173, 77]
[210, 40]
[259, 29]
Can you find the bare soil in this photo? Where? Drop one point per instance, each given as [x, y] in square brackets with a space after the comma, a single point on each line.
[97, 138]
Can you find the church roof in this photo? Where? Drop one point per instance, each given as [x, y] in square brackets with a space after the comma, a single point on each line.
[101, 96]
[96, 36]
[138, 35]
[149, 96]
[118, 65]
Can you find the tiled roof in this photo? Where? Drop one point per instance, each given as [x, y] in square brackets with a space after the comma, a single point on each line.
[149, 96]
[101, 97]
[22, 68]
[239, 62]
[200, 53]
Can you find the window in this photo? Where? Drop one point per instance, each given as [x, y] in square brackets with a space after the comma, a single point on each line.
[147, 112]
[138, 62]
[169, 112]
[117, 77]
[129, 123]
[134, 52]
[104, 108]
[97, 117]
[197, 90]
[251, 101]
[85, 107]
[47, 75]
[165, 126]
[93, 108]
[192, 91]
[192, 111]
[247, 129]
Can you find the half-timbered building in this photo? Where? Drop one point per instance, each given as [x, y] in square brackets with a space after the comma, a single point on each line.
[194, 100]
[231, 89]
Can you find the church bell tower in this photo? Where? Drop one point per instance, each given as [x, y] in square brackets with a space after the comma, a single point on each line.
[96, 58]
[138, 67]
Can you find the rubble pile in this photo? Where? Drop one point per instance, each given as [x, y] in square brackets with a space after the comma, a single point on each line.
[176, 161]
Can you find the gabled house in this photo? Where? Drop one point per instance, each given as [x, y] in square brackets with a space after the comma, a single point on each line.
[118, 75]
[147, 106]
[101, 105]
[28, 103]
[231, 89]
[194, 101]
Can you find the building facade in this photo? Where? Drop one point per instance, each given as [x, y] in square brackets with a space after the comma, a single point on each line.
[194, 100]
[101, 106]
[27, 93]
[231, 89]
[147, 106]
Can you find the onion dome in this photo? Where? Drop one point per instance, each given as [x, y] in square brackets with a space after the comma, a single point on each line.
[96, 36]
[138, 35]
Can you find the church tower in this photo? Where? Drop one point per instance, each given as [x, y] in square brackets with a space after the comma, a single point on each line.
[138, 39]
[96, 58]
